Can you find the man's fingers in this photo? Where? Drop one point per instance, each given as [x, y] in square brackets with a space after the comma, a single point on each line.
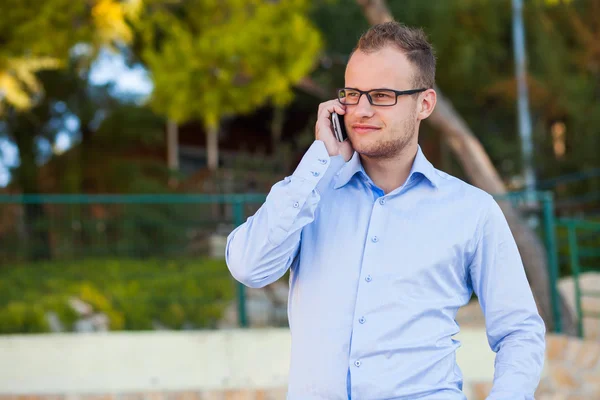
[323, 128]
[325, 109]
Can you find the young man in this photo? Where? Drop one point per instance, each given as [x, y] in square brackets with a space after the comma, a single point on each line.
[384, 248]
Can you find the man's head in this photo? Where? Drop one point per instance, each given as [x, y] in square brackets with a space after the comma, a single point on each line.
[390, 56]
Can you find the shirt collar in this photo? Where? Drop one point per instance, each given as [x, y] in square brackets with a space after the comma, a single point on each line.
[420, 166]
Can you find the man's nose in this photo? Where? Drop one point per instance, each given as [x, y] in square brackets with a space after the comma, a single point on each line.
[364, 108]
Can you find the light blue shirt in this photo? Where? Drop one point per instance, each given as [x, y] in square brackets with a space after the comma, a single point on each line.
[376, 281]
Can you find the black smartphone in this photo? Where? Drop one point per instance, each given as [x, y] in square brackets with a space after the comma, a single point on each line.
[339, 129]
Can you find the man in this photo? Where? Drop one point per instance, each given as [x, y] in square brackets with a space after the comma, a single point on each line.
[384, 248]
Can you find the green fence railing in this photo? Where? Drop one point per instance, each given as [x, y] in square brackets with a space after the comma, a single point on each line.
[537, 209]
[580, 246]
[50, 230]
[68, 228]
[576, 193]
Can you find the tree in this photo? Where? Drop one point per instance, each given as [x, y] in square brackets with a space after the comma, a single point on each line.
[25, 30]
[26, 27]
[210, 59]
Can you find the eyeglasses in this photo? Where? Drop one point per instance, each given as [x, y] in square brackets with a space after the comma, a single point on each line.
[377, 97]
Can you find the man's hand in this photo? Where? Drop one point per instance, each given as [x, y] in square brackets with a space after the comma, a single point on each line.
[324, 131]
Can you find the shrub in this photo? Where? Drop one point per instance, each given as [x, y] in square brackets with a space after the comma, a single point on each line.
[134, 294]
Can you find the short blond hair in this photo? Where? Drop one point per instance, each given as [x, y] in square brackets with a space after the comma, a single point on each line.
[411, 41]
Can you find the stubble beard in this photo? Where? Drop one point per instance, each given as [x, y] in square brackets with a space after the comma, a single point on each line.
[390, 148]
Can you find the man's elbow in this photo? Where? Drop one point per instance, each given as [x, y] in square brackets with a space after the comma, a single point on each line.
[535, 326]
[247, 278]
[531, 332]
[241, 268]
[241, 272]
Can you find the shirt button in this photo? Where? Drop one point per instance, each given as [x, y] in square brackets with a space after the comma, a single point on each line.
[296, 205]
[374, 239]
[368, 278]
[315, 173]
[362, 320]
[322, 161]
[357, 363]
[382, 201]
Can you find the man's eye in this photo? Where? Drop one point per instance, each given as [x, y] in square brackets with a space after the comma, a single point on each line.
[382, 95]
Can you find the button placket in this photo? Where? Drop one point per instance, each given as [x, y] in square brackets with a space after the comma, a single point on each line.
[376, 219]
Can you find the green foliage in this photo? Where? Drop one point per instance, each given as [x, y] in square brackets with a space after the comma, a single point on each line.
[567, 67]
[134, 294]
[209, 59]
[25, 30]
[27, 25]
[114, 130]
[19, 317]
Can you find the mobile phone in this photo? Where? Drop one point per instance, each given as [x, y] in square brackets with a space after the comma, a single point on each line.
[339, 129]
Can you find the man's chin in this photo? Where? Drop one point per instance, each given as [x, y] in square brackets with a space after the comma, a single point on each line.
[368, 152]
[378, 151]
[363, 147]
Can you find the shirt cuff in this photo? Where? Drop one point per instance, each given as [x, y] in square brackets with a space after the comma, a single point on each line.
[314, 173]
[315, 163]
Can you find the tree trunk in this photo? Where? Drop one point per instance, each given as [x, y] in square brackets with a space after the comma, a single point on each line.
[277, 127]
[86, 159]
[481, 172]
[212, 155]
[172, 149]
[212, 147]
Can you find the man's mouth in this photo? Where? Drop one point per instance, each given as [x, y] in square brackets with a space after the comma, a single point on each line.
[364, 128]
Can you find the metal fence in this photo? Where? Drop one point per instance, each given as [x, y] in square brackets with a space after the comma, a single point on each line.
[72, 226]
[537, 209]
[144, 242]
[576, 193]
[579, 246]
[67, 228]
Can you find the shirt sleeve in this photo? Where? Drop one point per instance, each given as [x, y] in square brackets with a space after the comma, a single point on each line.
[515, 330]
[261, 250]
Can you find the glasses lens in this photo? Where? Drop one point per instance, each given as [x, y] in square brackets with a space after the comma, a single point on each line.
[348, 96]
[383, 97]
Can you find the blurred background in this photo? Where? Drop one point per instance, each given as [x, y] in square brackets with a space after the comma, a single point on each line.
[136, 134]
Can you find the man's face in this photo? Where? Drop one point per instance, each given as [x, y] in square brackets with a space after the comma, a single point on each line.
[376, 131]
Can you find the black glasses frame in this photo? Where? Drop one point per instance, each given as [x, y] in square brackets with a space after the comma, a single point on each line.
[367, 92]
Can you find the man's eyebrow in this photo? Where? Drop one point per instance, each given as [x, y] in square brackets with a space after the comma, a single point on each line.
[372, 88]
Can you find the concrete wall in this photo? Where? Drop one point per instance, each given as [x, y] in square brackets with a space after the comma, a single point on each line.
[170, 361]
[226, 364]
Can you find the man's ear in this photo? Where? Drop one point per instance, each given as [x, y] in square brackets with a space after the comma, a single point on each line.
[427, 101]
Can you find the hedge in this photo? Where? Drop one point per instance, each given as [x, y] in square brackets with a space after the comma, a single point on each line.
[134, 294]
